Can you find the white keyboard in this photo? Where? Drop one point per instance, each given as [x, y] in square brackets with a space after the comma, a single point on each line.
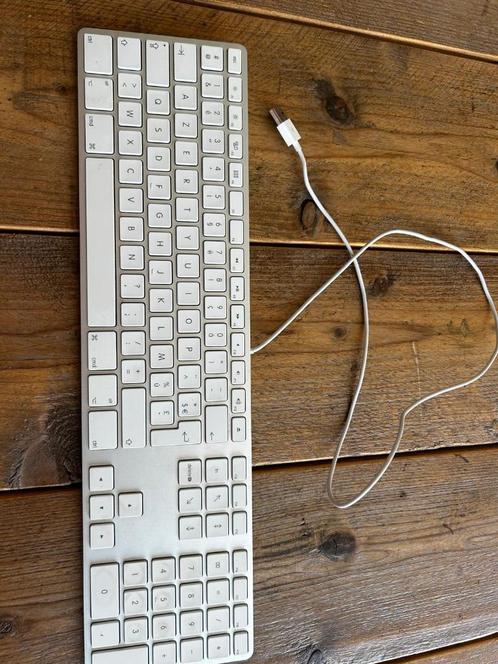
[167, 530]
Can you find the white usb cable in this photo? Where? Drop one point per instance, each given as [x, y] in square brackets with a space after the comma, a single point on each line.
[291, 136]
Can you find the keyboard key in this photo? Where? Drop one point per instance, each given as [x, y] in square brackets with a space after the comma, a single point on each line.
[213, 113]
[240, 643]
[133, 424]
[212, 86]
[218, 619]
[190, 566]
[185, 62]
[189, 472]
[218, 592]
[159, 187]
[216, 389]
[189, 376]
[235, 150]
[187, 238]
[130, 86]
[191, 650]
[98, 53]
[239, 468]
[185, 125]
[238, 429]
[163, 569]
[240, 616]
[132, 314]
[135, 573]
[213, 197]
[217, 470]
[187, 209]
[103, 430]
[238, 401]
[236, 231]
[186, 182]
[162, 384]
[101, 507]
[213, 141]
[129, 53]
[217, 564]
[189, 404]
[235, 174]
[164, 653]
[138, 655]
[234, 88]
[104, 591]
[213, 224]
[216, 498]
[164, 627]
[215, 362]
[130, 504]
[133, 371]
[133, 343]
[102, 390]
[158, 102]
[190, 593]
[189, 321]
[187, 433]
[189, 527]
[235, 118]
[160, 301]
[130, 114]
[214, 280]
[239, 523]
[239, 497]
[187, 265]
[159, 215]
[186, 153]
[162, 413]
[237, 344]
[135, 601]
[158, 130]
[215, 334]
[130, 172]
[185, 97]
[213, 168]
[234, 61]
[163, 598]
[240, 562]
[135, 630]
[218, 646]
[236, 203]
[189, 349]
[99, 132]
[161, 356]
[102, 536]
[240, 589]
[190, 623]
[98, 94]
[105, 634]
[212, 57]
[157, 62]
[130, 142]
[101, 478]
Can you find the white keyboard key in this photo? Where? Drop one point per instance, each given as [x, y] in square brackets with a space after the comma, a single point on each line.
[239, 527]
[238, 401]
[191, 650]
[213, 224]
[215, 307]
[187, 237]
[187, 265]
[240, 643]
[102, 390]
[235, 118]
[163, 569]
[237, 344]
[99, 133]
[161, 328]
[129, 53]
[213, 113]
[98, 94]
[189, 321]
[185, 125]
[239, 468]
[235, 174]
[159, 187]
[189, 376]
[103, 430]
[158, 130]
[162, 413]
[216, 424]
[158, 159]
[187, 293]
[132, 286]
[189, 349]
[218, 646]
[190, 623]
[135, 602]
[236, 260]
[159, 215]
[240, 563]
[218, 591]
[130, 142]
[187, 433]
[102, 536]
[185, 62]
[238, 371]
[189, 404]
[162, 384]
[234, 88]
[190, 593]
[215, 334]
[240, 589]
[158, 102]
[236, 231]
[187, 209]
[138, 655]
[130, 114]
[213, 197]
[135, 630]
[133, 371]
[104, 591]
[135, 573]
[186, 153]
[216, 498]
[157, 63]
[218, 619]
[214, 280]
[130, 505]
[133, 422]
[164, 627]
[217, 470]
[189, 527]
[236, 203]
[164, 653]
[212, 57]
[160, 272]
[131, 200]
[186, 97]
[130, 172]
[217, 565]
[131, 256]
[213, 141]
[98, 53]
[161, 300]
[216, 389]
[237, 285]
[215, 362]
[190, 566]
[214, 253]
[189, 500]
[238, 429]
[186, 182]
[130, 86]
[105, 634]
[234, 60]
[101, 478]
[161, 356]
[235, 150]
[101, 507]
[101, 350]
[240, 616]
[189, 472]
[163, 599]
[213, 168]
[212, 86]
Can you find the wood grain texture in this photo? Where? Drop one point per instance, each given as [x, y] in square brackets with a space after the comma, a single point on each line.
[453, 25]
[430, 327]
[413, 567]
[396, 136]
[483, 651]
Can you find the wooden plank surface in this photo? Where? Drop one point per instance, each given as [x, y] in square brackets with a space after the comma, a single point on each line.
[396, 136]
[413, 567]
[430, 326]
[483, 651]
[460, 26]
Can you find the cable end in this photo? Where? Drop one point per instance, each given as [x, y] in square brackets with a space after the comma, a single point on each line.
[285, 127]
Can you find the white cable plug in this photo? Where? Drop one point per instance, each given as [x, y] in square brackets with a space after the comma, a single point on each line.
[291, 136]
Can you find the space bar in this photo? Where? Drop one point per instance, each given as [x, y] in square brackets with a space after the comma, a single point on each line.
[100, 255]
[136, 655]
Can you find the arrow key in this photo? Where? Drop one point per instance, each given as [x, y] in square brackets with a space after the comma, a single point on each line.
[189, 527]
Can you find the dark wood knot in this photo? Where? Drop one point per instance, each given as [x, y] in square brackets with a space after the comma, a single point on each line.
[381, 284]
[311, 218]
[335, 106]
[316, 657]
[338, 546]
[8, 626]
